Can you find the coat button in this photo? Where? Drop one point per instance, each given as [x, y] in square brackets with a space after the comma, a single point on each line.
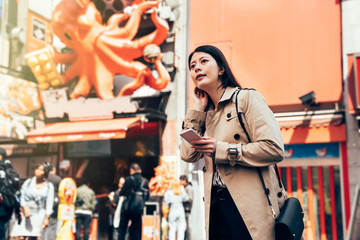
[204, 169]
[236, 136]
[228, 115]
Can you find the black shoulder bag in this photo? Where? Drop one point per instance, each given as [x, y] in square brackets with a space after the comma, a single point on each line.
[289, 225]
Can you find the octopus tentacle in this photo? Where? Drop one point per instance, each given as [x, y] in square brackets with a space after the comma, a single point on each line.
[114, 22]
[156, 37]
[64, 58]
[143, 73]
[71, 72]
[103, 81]
[131, 27]
[82, 88]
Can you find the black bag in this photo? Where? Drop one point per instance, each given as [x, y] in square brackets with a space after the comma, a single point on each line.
[9, 178]
[134, 203]
[9, 190]
[289, 225]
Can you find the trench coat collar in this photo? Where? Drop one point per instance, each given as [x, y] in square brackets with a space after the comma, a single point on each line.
[227, 95]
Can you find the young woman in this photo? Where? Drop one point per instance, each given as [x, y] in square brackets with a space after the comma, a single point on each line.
[236, 206]
[37, 199]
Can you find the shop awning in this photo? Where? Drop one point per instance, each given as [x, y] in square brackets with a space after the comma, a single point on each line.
[312, 127]
[82, 131]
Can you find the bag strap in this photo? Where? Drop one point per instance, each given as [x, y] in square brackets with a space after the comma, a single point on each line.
[249, 139]
[138, 187]
[142, 185]
[266, 190]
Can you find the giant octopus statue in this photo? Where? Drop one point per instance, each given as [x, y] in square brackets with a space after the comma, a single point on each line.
[101, 51]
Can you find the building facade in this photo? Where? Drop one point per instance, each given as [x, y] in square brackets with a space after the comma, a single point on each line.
[302, 56]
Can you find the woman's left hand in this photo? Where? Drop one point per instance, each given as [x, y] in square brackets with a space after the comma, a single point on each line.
[206, 146]
[45, 222]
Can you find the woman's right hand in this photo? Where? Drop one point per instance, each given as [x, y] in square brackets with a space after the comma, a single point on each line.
[200, 98]
[27, 212]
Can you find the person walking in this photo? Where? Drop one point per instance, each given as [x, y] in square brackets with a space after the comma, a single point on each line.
[236, 206]
[9, 191]
[84, 206]
[187, 204]
[116, 202]
[50, 232]
[133, 182]
[37, 198]
[174, 198]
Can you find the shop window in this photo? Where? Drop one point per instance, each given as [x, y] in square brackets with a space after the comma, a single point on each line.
[315, 186]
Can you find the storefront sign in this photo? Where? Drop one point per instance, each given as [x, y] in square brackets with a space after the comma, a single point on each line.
[36, 35]
[317, 150]
[88, 148]
[57, 104]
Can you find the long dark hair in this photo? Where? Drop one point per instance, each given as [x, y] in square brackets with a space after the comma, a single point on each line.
[46, 167]
[228, 78]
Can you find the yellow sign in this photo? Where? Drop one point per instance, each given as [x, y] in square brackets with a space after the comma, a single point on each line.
[44, 69]
[66, 212]
[67, 191]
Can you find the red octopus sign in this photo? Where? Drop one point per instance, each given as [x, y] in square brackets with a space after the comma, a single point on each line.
[99, 51]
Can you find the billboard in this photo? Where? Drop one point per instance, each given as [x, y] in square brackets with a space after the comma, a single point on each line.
[20, 105]
[284, 49]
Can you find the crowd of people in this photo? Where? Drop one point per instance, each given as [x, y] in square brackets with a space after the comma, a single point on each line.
[38, 202]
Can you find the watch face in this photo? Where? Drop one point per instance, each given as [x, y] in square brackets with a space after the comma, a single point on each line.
[232, 151]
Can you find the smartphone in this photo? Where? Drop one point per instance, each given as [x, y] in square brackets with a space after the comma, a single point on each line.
[190, 135]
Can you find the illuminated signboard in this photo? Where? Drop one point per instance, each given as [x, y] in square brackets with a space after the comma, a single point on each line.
[316, 150]
[19, 106]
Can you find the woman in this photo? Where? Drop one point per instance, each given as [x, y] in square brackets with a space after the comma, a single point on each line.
[236, 206]
[174, 198]
[37, 198]
[116, 202]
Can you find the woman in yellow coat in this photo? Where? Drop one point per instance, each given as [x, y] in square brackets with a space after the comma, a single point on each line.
[236, 206]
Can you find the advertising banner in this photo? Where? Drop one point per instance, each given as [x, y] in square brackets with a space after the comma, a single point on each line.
[36, 34]
[19, 105]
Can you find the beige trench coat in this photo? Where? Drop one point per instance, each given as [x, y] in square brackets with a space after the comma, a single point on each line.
[241, 179]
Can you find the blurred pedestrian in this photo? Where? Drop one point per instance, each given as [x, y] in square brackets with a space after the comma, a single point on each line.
[174, 197]
[37, 198]
[84, 208]
[9, 191]
[187, 204]
[116, 201]
[50, 232]
[134, 182]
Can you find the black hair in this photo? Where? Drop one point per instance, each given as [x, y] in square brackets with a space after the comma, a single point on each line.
[135, 166]
[46, 168]
[227, 79]
[2, 152]
[184, 177]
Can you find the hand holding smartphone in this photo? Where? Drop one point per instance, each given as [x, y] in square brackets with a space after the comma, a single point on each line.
[190, 135]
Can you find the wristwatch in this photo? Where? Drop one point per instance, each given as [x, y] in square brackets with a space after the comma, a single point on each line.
[233, 153]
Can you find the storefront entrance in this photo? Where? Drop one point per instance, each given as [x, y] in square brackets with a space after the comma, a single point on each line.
[316, 182]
